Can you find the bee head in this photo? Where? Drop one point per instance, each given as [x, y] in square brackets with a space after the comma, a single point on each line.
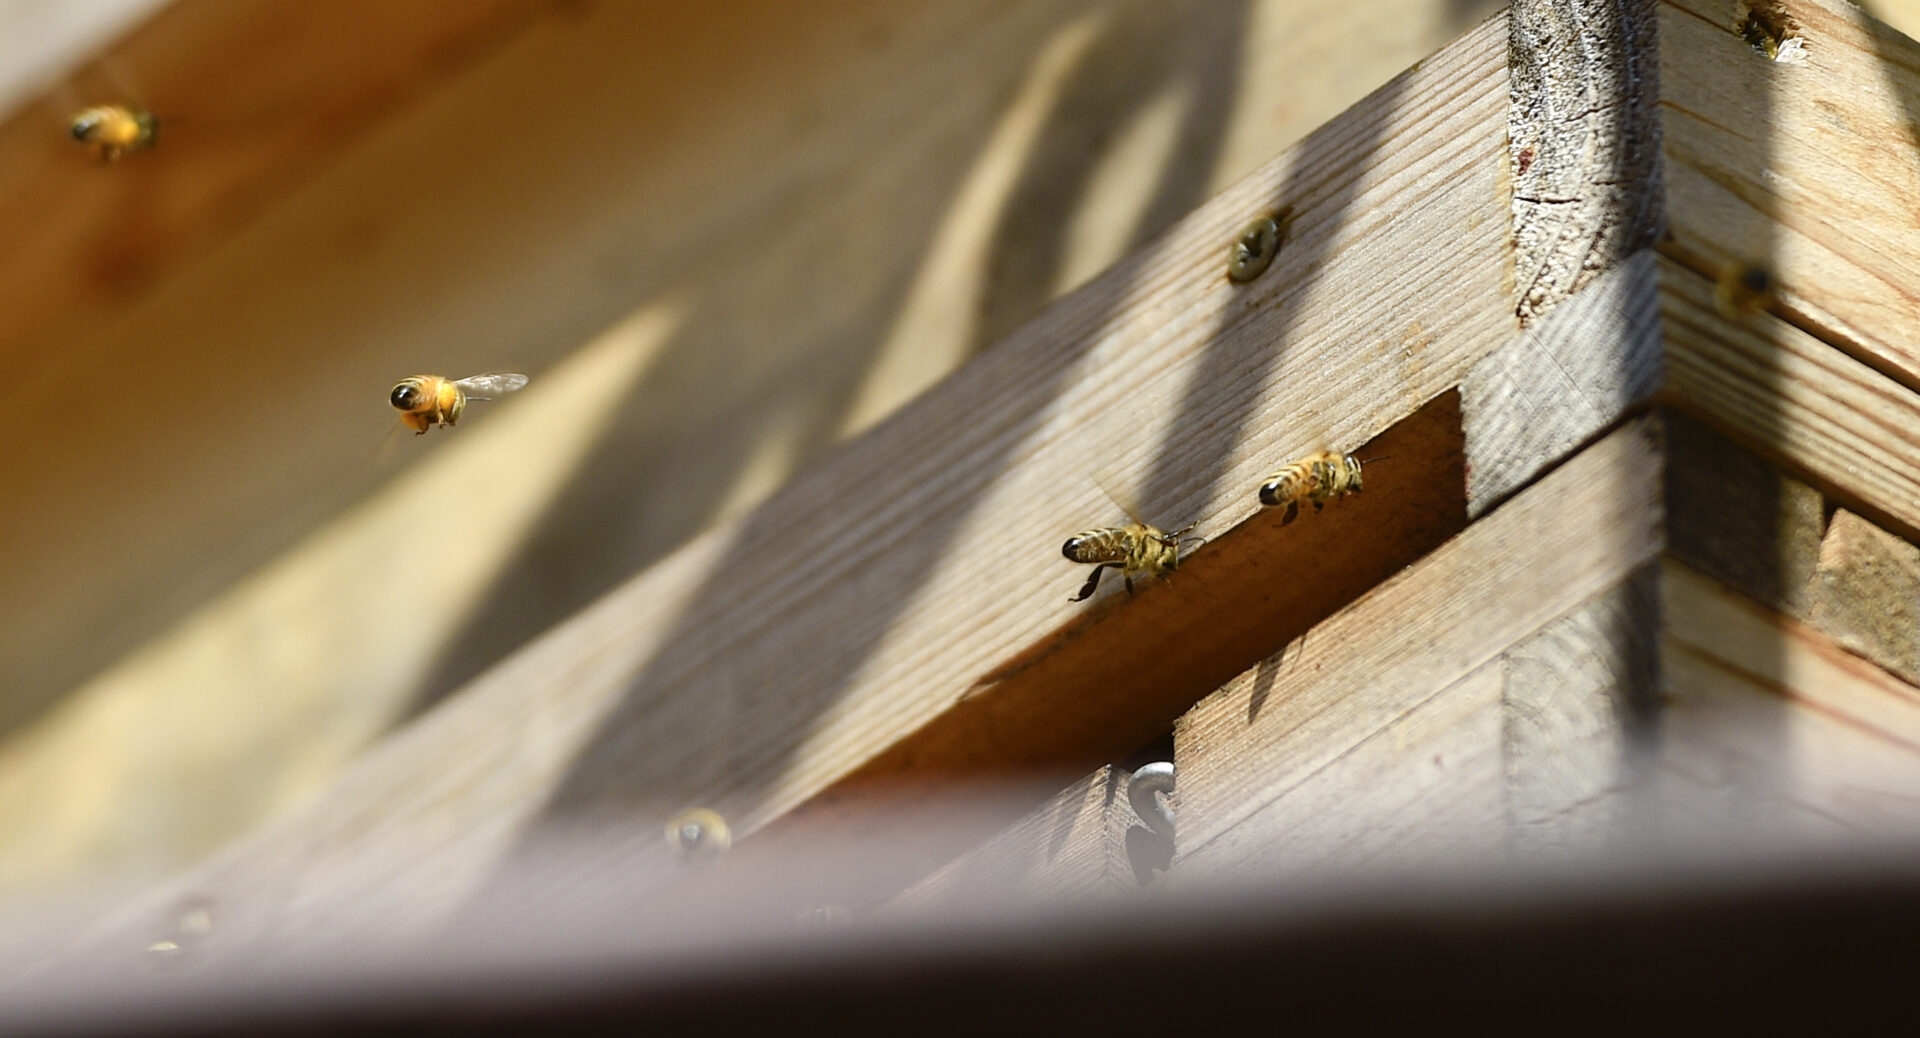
[406, 396]
[84, 126]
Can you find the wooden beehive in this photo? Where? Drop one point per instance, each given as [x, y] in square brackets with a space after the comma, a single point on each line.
[1633, 570]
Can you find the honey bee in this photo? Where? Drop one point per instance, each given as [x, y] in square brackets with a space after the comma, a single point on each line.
[1744, 288]
[1133, 548]
[425, 400]
[114, 131]
[1315, 479]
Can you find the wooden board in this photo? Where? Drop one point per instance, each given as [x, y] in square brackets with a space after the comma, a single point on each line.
[1866, 592]
[214, 577]
[782, 650]
[1396, 665]
[1802, 165]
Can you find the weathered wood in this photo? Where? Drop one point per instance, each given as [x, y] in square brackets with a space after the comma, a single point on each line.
[1786, 163]
[782, 650]
[1771, 735]
[1841, 426]
[1351, 681]
[1738, 520]
[211, 578]
[1583, 140]
[1563, 382]
[1579, 712]
[1866, 594]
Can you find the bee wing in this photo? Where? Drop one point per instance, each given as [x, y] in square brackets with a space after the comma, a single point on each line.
[1125, 502]
[483, 387]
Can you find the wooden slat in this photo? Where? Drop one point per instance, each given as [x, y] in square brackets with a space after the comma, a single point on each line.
[1583, 144]
[1073, 846]
[782, 650]
[1807, 166]
[1771, 735]
[1579, 712]
[1843, 426]
[1351, 681]
[1866, 593]
[1568, 379]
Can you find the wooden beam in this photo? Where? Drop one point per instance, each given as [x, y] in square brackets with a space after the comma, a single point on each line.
[1396, 665]
[783, 650]
[1784, 163]
[1866, 593]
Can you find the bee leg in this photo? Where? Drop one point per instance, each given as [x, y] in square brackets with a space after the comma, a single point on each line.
[1093, 582]
[1128, 577]
[1318, 505]
[1292, 513]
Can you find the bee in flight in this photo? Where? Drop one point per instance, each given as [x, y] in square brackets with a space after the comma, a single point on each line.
[1315, 479]
[427, 400]
[1133, 548]
[114, 131]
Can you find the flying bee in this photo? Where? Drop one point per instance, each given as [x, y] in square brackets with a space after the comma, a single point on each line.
[1744, 288]
[1133, 548]
[114, 131]
[1315, 479]
[425, 400]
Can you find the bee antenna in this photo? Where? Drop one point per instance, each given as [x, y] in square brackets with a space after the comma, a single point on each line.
[1377, 457]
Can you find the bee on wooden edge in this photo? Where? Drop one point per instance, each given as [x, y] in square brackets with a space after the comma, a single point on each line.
[428, 400]
[1314, 479]
[1135, 548]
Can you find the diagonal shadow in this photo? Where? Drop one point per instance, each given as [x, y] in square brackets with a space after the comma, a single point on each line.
[687, 691]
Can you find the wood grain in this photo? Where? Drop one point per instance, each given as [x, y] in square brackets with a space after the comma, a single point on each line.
[783, 649]
[1565, 381]
[1834, 421]
[1584, 143]
[1354, 680]
[1866, 594]
[1805, 166]
[1580, 708]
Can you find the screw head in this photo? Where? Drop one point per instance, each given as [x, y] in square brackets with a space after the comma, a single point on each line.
[1254, 250]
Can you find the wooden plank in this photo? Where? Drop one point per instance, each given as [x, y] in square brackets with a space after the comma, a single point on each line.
[1579, 711]
[1583, 144]
[1073, 846]
[1771, 735]
[782, 650]
[1566, 380]
[700, 260]
[1581, 530]
[1866, 592]
[1738, 520]
[1837, 423]
[1787, 163]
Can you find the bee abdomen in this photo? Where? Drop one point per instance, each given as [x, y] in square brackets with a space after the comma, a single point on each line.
[1095, 546]
[1288, 484]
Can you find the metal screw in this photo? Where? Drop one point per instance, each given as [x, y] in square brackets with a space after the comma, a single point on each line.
[1253, 252]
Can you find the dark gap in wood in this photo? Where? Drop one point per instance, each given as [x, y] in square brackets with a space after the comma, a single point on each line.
[1737, 519]
[1117, 678]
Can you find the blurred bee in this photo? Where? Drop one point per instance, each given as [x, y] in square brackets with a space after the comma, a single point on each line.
[426, 400]
[1133, 548]
[1744, 288]
[699, 834]
[114, 131]
[1315, 479]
